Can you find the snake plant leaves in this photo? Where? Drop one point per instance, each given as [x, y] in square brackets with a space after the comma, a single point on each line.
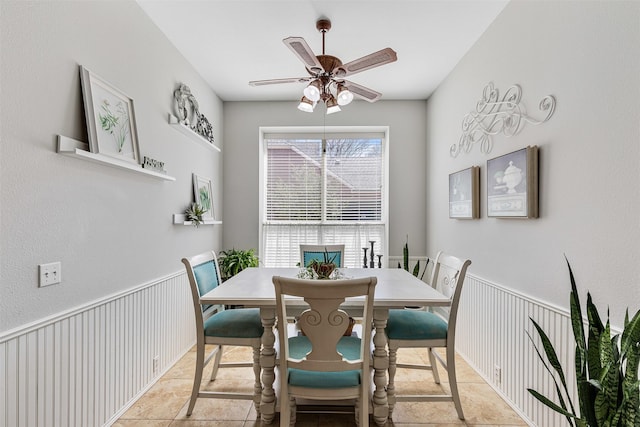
[553, 377]
[416, 269]
[606, 369]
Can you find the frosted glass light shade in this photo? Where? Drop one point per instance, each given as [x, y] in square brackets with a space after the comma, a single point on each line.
[306, 105]
[312, 91]
[344, 95]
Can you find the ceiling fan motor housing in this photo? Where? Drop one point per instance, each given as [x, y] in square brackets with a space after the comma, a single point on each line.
[328, 72]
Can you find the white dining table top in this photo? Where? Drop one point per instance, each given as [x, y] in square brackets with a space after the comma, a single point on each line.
[396, 288]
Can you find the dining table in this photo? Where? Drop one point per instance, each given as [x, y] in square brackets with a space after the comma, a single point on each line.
[396, 288]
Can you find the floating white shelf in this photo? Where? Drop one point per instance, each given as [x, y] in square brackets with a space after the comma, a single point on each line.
[173, 121]
[180, 220]
[80, 150]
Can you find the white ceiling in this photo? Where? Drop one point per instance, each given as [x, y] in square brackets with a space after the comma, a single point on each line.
[231, 42]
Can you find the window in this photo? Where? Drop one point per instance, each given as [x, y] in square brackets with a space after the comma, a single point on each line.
[322, 188]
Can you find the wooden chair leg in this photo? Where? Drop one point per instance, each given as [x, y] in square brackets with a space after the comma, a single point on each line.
[453, 383]
[216, 362]
[357, 414]
[292, 411]
[434, 366]
[197, 377]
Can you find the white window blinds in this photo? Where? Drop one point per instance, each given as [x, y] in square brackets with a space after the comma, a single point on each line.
[322, 189]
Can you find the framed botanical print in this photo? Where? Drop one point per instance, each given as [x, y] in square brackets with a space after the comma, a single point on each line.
[202, 190]
[512, 184]
[111, 123]
[464, 193]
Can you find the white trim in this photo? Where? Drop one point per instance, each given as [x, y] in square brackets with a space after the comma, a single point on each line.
[65, 314]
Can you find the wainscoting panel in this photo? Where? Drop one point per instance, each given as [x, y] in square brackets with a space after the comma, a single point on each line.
[493, 322]
[86, 366]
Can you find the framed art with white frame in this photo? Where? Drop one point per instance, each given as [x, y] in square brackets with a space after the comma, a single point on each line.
[202, 191]
[111, 123]
[464, 193]
[512, 184]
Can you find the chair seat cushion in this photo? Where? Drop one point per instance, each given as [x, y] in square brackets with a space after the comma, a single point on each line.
[235, 323]
[349, 347]
[415, 325]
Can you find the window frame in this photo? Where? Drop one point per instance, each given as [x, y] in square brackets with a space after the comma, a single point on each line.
[329, 131]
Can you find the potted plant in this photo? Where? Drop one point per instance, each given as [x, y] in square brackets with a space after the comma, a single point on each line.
[324, 268]
[606, 370]
[416, 267]
[234, 261]
[194, 214]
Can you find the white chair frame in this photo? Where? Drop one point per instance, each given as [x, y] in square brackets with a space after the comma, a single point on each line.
[216, 354]
[448, 277]
[324, 324]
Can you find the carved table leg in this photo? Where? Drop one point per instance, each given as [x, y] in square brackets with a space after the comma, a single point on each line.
[391, 388]
[380, 366]
[257, 386]
[267, 363]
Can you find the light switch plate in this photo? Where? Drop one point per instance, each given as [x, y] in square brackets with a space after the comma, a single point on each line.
[50, 274]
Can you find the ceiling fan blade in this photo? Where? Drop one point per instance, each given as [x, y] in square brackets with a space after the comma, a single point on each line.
[373, 60]
[362, 92]
[302, 50]
[279, 81]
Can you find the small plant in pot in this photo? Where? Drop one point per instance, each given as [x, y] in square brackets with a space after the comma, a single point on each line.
[194, 214]
[233, 261]
[324, 268]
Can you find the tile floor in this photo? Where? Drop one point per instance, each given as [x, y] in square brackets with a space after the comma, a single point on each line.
[165, 404]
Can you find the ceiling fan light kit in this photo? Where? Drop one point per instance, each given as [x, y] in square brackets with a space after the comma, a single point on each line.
[327, 74]
[306, 105]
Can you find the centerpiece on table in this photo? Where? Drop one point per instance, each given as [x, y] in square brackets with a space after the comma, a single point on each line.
[321, 269]
[325, 270]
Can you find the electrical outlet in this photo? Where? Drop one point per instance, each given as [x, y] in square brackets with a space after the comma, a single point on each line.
[497, 374]
[50, 274]
[156, 364]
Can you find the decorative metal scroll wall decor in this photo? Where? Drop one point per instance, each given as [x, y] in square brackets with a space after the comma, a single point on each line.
[494, 115]
[188, 113]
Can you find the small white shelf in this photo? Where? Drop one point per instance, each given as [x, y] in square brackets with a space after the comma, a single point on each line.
[173, 121]
[179, 219]
[80, 150]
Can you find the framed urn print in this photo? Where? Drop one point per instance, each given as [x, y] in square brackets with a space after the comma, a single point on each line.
[512, 184]
[464, 194]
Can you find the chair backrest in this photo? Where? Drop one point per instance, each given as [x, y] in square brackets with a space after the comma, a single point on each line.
[324, 322]
[447, 278]
[310, 252]
[204, 275]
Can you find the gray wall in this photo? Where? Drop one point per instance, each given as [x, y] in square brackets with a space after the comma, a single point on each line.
[407, 172]
[587, 54]
[111, 229]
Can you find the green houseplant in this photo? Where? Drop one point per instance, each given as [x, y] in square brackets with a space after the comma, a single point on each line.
[606, 369]
[416, 267]
[233, 261]
[320, 269]
[324, 268]
[194, 214]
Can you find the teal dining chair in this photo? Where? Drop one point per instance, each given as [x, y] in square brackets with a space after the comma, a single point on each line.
[430, 329]
[310, 252]
[219, 327]
[319, 362]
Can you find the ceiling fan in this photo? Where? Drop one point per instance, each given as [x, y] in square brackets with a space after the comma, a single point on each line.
[327, 74]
